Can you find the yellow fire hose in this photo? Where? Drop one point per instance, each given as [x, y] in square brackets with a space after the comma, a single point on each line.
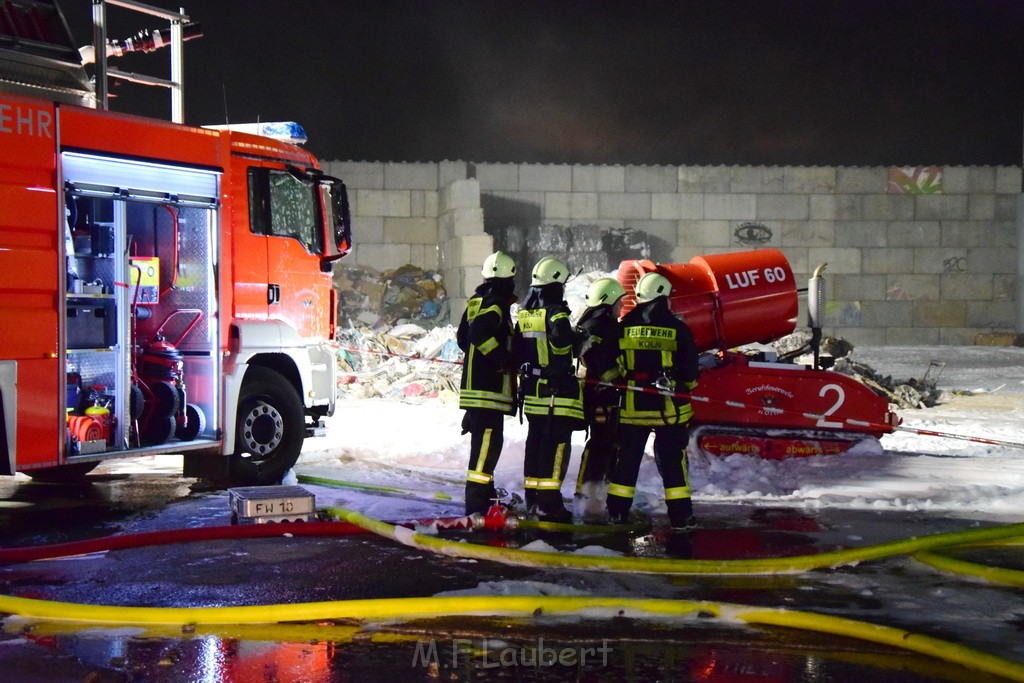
[648, 565]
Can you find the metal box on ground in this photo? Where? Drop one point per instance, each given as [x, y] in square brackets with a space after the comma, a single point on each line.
[269, 504]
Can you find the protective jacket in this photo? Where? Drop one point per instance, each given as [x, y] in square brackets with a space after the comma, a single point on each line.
[599, 333]
[543, 352]
[485, 336]
[656, 353]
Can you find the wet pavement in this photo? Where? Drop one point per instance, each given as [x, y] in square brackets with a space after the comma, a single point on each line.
[115, 500]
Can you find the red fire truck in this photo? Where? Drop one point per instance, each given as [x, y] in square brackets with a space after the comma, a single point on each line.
[163, 288]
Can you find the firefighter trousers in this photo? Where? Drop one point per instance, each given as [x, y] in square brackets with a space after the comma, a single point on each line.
[548, 447]
[601, 449]
[669, 455]
[486, 429]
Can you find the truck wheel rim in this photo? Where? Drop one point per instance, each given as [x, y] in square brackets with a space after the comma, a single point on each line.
[262, 429]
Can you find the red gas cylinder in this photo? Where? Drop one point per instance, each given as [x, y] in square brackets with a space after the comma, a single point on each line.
[726, 299]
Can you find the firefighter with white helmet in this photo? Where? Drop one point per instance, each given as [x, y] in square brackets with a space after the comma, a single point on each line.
[599, 331]
[488, 380]
[552, 397]
[658, 360]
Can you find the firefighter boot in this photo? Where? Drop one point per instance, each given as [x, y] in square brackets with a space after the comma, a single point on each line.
[680, 514]
[618, 509]
[479, 497]
[550, 507]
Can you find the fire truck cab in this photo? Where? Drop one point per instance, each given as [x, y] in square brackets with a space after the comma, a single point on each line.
[163, 288]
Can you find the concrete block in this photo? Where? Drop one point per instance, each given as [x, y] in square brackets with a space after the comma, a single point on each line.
[450, 171]
[860, 336]
[467, 252]
[954, 336]
[757, 234]
[459, 194]
[843, 313]
[1008, 180]
[578, 205]
[425, 256]
[808, 179]
[431, 204]
[965, 286]
[674, 206]
[861, 233]
[940, 313]
[940, 207]
[1006, 207]
[828, 207]
[702, 179]
[966, 233]
[992, 314]
[1004, 286]
[460, 223]
[545, 177]
[598, 179]
[800, 262]
[368, 229]
[855, 287]
[1003, 234]
[981, 179]
[417, 202]
[759, 179]
[887, 260]
[939, 260]
[732, 207]
[914, 233]
[862, 180]
[887, 313]
[888, 207]
[383, 203]
[410, 176]
[500, 177]
[955, 179]
[384, 256]
[981, 207]
[911, 336]
[840, 260]
[410, 231]
[357, 175]
[783, 206]
[603, 224]
[703, 235]
[991, 260]
[813, 233]
[652, 178]
[904, 287]
[623, 205]
[666, 231]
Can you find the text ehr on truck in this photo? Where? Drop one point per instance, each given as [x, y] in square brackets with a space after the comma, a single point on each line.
[163, 289]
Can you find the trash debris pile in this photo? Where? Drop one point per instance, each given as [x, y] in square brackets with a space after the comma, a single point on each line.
[906, 393]
[375, 299]
[406, 362]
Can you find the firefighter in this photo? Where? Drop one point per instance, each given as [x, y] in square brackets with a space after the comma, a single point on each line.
[658, 360]
[599, 332]
[552, 397]
[488, 392]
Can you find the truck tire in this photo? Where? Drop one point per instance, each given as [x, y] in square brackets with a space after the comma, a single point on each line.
[269, 430]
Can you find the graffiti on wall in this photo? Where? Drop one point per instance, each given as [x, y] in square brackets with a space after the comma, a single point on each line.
[752, 234]
[915, 180]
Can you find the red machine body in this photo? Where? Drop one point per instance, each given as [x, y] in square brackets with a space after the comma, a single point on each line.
[751, 402]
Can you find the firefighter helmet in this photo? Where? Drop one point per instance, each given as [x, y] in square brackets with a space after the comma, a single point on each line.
[548, 270]
[604, 291]
[498, 264]
[651, 286]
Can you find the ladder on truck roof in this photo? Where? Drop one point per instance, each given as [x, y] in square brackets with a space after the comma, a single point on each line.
[38, 56]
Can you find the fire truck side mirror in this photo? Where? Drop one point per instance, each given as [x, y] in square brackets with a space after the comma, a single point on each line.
[337, 224]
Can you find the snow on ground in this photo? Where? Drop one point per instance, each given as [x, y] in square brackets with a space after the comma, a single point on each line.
[417, 445]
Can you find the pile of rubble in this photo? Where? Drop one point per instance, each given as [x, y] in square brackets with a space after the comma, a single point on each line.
[905, 393]
[406, 361]
[375, 299]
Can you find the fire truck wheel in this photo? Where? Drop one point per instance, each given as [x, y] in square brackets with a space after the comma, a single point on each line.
[269, 431]
[165, 394]
[65, 474]
[194, 422]
[158, 430]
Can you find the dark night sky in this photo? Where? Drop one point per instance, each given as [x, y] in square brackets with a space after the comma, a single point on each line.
[823, 82]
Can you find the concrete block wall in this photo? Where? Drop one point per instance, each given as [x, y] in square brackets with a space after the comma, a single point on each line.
[904, 269]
